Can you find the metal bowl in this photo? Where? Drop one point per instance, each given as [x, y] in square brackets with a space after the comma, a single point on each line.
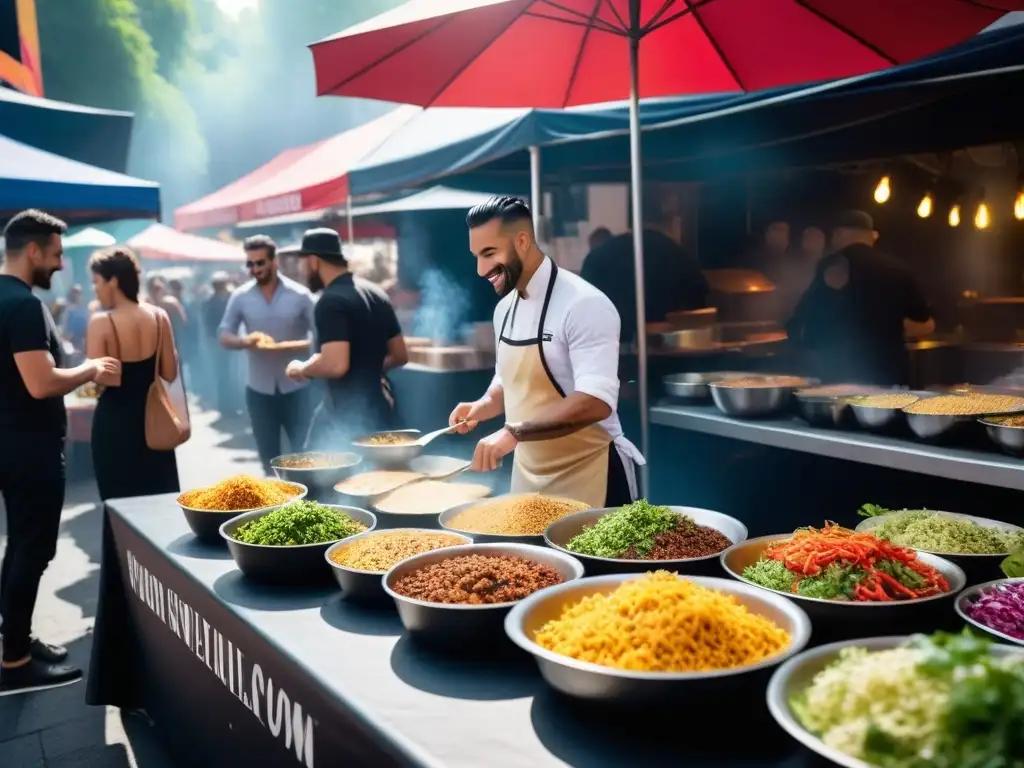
[796, 674]
[690, 338]
[342, 465]
[491, 538]
[367, 586]
[694, 386]
[749, 402]
[848, 615]
[205, 524]
[389, 456]
[821, 410]
[969, 596]
[447, 625]
[606, 684]
[975, 567]
[880, 419]
[561, 531]
[1010, 439]
[300, 564]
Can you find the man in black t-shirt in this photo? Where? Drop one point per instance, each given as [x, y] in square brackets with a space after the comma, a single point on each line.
[673, 280]
[358, 339]
[32, 427]
[852, 322]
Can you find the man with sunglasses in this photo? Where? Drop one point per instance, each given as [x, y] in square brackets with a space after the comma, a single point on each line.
[271, 307]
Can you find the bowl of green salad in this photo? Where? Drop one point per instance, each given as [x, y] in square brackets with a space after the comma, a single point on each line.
[286, 545]
[923, 700]
[978, 545]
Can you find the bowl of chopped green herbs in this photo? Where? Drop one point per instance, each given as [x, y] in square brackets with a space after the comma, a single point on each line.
[287, 545]
[923, 701]
[645, 537]
[978, 545]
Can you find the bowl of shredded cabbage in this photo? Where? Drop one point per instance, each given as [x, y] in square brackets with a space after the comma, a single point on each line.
[937, 701]
[978, 545]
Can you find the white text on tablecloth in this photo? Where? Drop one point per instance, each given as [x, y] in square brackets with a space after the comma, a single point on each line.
[285, 718]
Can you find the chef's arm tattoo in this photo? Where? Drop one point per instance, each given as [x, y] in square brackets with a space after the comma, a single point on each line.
[570, 415]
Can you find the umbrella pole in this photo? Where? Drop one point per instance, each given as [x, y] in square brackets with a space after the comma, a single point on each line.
[535, 201]
[636, 181]
[351, 225]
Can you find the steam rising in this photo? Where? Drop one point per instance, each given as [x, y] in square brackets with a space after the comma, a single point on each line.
[444, 306]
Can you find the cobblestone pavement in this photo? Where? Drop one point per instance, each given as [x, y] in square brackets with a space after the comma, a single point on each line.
[55, 729]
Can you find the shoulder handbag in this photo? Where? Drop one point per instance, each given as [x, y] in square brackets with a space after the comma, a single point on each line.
[165, 429]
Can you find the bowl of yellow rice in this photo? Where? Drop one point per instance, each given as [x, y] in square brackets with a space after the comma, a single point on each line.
[633, 638]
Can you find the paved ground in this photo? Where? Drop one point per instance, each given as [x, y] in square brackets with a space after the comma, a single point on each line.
[55, 729]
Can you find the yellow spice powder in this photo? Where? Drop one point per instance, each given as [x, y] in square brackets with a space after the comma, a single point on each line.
[663, 623]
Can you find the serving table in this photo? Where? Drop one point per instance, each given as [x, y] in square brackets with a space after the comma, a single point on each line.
[238, 674]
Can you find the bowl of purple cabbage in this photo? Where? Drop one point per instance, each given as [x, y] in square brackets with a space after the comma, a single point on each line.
[997, 607]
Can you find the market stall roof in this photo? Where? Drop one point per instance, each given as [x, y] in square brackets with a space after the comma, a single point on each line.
[854, 115]
[161, 243]
[446, 141]
[592, 143]
[301, 179]
[100, 137]
[75, 191]
[89, 237]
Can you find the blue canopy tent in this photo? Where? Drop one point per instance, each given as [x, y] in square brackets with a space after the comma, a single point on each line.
[32, 178]
[100, 137]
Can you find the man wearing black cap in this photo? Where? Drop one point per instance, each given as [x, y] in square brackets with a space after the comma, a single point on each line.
[853, 320]
[358, 338]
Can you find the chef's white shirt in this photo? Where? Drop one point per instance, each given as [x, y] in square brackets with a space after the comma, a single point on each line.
[581, 343]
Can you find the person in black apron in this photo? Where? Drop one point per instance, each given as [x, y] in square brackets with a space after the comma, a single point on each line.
[557, 361]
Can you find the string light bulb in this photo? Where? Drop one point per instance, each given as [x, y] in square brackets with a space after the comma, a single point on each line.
[982, 216]
[925, 207]
[883, 191]
[1018, 206]
[954, 215]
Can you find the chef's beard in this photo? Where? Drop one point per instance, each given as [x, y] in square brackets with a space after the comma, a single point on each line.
[314, 282]
[510, 273]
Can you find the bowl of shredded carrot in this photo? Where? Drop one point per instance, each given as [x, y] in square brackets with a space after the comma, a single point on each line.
[837, 573]
[631, 638]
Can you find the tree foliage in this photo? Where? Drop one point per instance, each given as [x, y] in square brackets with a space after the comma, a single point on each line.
[214, 97]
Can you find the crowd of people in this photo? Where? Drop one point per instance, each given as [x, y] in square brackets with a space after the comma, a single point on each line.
[331, 336]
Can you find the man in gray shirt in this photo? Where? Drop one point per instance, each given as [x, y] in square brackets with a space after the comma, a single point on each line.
[278, 317]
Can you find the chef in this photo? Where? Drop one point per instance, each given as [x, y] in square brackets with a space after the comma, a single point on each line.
[556, 379]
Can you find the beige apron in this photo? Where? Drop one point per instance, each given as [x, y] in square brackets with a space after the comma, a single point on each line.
[574, 466]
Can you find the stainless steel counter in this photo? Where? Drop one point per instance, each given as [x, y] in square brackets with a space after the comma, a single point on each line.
[960, 464]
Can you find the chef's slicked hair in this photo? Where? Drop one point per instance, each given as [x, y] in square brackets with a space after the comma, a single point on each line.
[507, 209]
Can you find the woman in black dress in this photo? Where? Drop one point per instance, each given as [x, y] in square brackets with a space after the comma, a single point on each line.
[129, 331]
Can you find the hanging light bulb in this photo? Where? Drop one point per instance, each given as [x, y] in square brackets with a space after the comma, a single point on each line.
[924, 208]
[883, 191]
[954, 215]
[1018, 206]
[982, 216]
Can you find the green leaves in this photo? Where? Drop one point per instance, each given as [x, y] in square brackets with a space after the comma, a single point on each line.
[1013, 566]
[873, 510]
[634, 525]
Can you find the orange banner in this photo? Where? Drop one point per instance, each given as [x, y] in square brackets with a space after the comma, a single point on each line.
[21, 64]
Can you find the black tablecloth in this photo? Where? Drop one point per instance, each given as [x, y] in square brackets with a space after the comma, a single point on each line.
[180, 632]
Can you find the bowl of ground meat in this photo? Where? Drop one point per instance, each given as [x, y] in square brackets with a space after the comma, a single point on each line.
[458, 597]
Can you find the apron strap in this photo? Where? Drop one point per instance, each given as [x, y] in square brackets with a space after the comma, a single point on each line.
[540, 329]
